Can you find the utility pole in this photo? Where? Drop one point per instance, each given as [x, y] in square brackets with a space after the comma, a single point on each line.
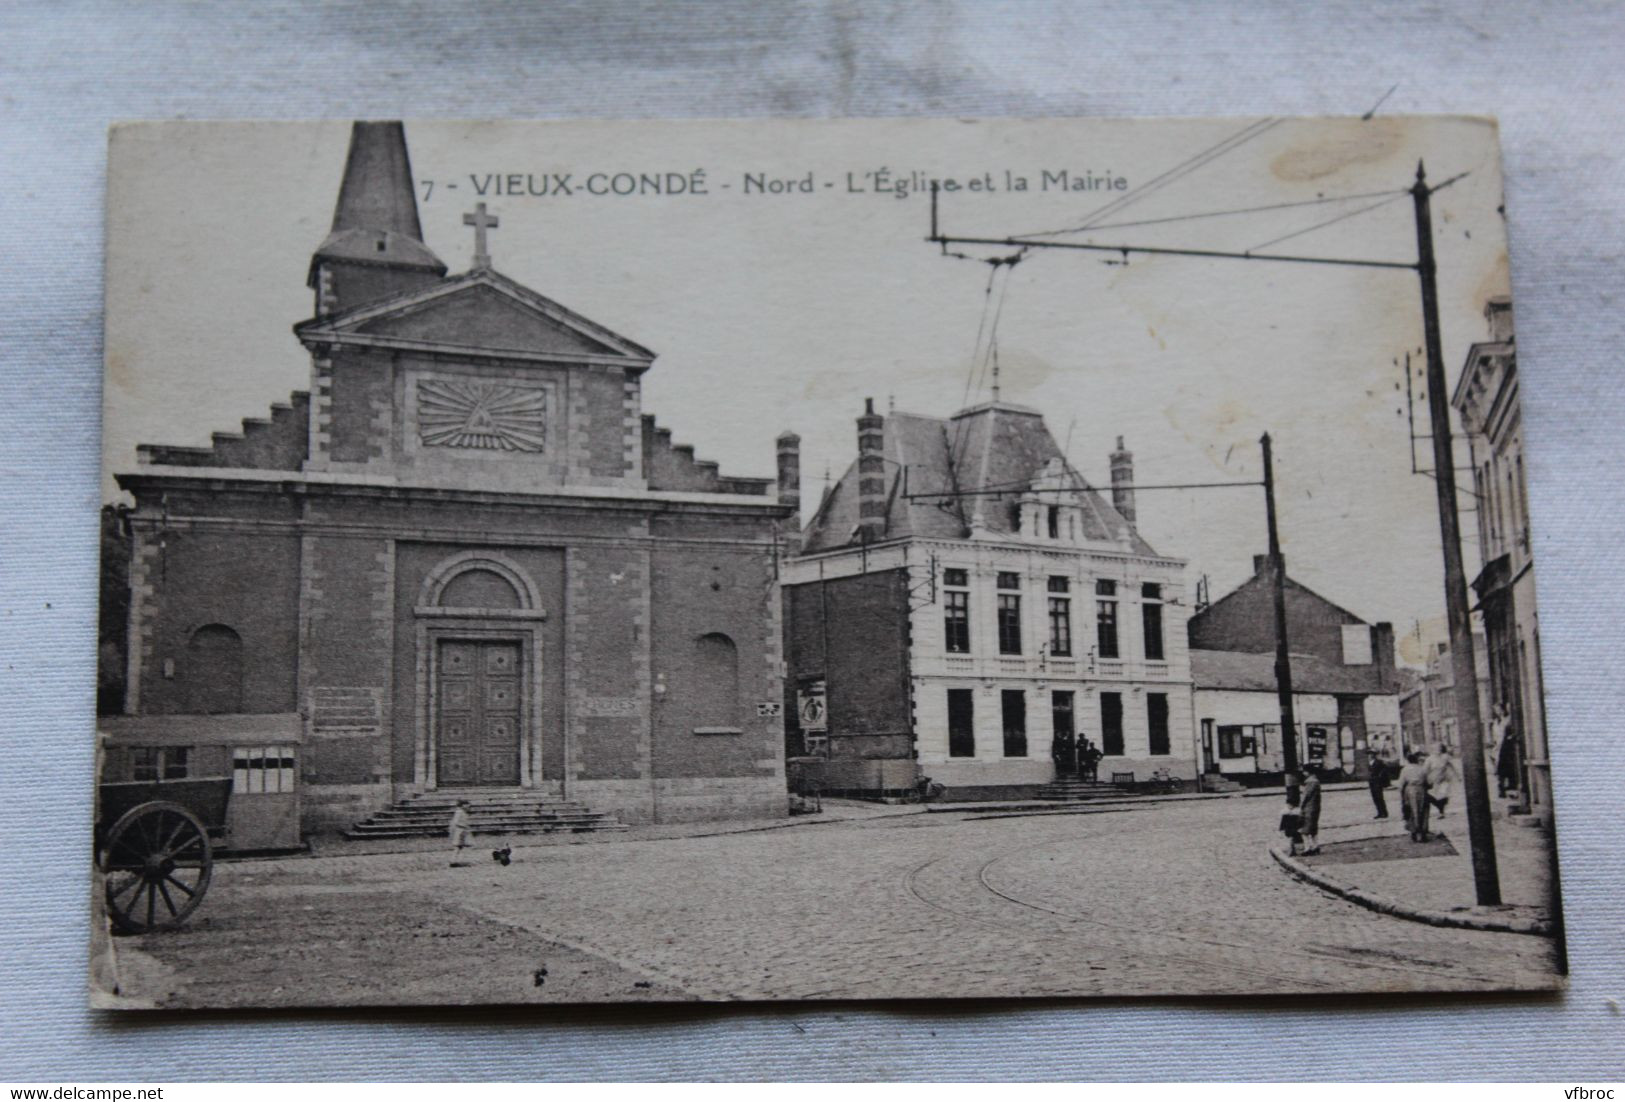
[1480, 831]
[1283, 658]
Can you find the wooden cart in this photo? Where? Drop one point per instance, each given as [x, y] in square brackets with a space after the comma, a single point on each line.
[155, 843]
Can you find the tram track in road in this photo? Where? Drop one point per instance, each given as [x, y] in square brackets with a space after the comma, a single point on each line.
[1201, 964]
[1140, 934]
[1341, 956]
[1137, 934]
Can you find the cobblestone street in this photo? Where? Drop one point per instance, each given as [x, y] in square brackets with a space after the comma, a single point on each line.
[1157, 898]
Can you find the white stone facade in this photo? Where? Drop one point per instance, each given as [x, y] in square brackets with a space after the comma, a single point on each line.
[1038, 671]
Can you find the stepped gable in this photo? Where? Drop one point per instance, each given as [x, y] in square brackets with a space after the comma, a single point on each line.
[996, 445]
[669, 466]
[280, 442]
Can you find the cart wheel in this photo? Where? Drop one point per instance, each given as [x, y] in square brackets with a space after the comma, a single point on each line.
[156, 863]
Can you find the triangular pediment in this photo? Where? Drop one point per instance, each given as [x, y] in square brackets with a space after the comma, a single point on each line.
[481, 311]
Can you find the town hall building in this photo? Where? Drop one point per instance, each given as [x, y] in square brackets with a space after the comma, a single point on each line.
[966, 607]
[465, 561]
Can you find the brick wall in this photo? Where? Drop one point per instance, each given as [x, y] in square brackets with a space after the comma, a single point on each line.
[1245, 621]
[703, 596]
[184, 576]
[864, 619]
[347, 285]
[361, 406]
[606, 660]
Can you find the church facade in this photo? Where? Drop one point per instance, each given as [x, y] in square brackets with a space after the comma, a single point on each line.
[465, 559]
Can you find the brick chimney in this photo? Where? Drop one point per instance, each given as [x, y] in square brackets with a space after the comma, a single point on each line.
[871, 474]
[789, 485]
[1261, 563]
[1382, 654]
[1122, 482]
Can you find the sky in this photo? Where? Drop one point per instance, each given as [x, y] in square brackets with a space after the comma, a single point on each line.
[800, 283]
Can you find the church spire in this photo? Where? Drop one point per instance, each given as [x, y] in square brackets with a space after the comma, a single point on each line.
[375, 249]
[377, 189]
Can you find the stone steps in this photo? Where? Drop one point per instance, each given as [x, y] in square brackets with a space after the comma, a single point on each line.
[1071, 789]
[490, 811]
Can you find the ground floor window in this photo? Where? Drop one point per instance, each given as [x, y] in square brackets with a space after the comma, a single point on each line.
[1015, 723]
[262, 769]
[1235, 742]
[1111, 724]
[961, 724]
[160, 763]
[1156, 715]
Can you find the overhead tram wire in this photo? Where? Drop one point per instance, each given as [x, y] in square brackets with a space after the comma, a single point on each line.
[975, 357]
[1322, 200]
[1184, 168]
[983, 356]
[1190, 164]
[1330, 221]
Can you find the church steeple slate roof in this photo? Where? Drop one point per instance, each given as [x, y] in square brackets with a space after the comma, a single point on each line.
[377, 189]
[376, 219]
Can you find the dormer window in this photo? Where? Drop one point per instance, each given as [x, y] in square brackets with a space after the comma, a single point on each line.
[1054, 522]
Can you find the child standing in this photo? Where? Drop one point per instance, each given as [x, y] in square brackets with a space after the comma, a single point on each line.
[460, 830]
[1291, 822]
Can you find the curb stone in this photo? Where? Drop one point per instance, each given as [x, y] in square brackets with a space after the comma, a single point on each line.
[1384, 905]
[972, 806]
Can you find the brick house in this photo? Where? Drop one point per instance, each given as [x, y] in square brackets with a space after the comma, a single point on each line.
[1345, 686]
[466, 559]
[965, 606]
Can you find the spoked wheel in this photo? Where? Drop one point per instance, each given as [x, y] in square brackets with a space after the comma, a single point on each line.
[156, 863]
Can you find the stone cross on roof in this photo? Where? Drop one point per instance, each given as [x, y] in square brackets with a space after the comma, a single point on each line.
[481, 222]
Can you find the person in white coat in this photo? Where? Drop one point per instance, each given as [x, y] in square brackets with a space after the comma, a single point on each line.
[1442, 778]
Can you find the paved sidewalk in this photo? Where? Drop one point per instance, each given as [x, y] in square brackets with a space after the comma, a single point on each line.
[1437, 885]
[1135, 800]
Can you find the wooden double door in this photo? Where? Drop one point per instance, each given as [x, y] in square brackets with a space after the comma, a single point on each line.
[480, 712]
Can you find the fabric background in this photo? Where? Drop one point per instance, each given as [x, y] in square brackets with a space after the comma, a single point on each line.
[1551, 73]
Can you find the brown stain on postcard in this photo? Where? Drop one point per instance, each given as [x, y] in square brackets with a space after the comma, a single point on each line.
[1373, 141]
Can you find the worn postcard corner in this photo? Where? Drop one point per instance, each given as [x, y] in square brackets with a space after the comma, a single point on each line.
[775, 560]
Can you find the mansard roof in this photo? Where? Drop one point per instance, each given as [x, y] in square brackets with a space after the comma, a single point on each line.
[996, 446]
[481, 312]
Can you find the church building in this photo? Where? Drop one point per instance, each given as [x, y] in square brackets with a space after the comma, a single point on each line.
[466, 561]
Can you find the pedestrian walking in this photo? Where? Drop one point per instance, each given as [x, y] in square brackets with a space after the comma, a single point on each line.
[1413, 796]
[460, 830]
[1442, 777]
[1309, 811]
[1378, 778]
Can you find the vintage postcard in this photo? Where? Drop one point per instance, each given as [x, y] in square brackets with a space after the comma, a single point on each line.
[773, 560]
